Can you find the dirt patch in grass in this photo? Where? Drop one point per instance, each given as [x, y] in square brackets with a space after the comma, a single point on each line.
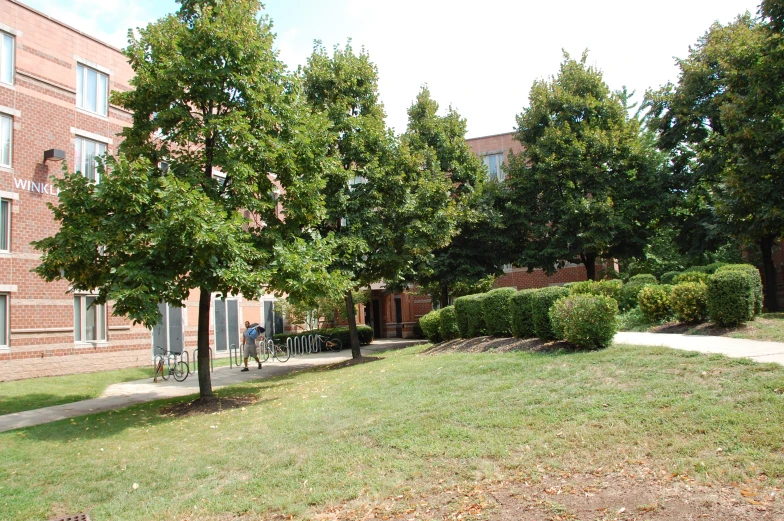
[483, 344]
[623, 495]
[209, 405]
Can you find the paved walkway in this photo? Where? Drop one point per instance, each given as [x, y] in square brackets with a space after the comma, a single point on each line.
[756, 350]
[130, 393]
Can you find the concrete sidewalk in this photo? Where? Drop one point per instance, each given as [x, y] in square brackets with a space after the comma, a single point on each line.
[756, 350]
[125, 394]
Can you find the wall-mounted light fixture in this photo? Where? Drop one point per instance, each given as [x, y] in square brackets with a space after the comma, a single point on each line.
[54, 154]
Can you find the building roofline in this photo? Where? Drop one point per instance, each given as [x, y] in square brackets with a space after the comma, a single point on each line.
[491, 135]
[63, 24]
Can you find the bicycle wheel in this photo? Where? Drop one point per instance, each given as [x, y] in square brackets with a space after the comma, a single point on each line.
[335, 344]
[180, 371]
[160, 367]
[282, 352]
[266, 348]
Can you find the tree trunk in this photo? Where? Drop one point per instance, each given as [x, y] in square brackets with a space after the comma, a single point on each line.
[769, 270]
[352, 326]
[589, 259]
[444, 295]
[203, 343]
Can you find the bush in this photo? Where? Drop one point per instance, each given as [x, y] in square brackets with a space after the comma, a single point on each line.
[734, 294]
[496, 310]
[431, 325]
[710, 269]
[521, 313]
[587, 321]
[667, 277]
[689, 301]
[643, 278]
[540, 310]
[470, 320]
[627, 299]
[633, 320]
[654, 302]
[448, 324]
[754, 272]
[340, 332]
[698, 269]
[608, 288]
[691, 276]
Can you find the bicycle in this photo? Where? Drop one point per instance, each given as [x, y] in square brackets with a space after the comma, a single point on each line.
[175, 366]
[279, 352]
[332, 344]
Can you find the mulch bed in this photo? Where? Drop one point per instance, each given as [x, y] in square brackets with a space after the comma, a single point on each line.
[209, 406]
[484, 344]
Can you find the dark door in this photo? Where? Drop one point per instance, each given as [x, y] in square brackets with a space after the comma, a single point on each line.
[398, 317]
[376, 318]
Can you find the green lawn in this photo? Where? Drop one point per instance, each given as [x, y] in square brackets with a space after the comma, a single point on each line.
[406, 425]
[767, 326]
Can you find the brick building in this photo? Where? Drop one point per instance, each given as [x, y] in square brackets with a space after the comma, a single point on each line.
[394, 314]
[54, 89]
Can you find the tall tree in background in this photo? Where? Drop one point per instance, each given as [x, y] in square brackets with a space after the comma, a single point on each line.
[388, 206]
[211, 99]
[581, 188]
[722, 124]
[475, 251]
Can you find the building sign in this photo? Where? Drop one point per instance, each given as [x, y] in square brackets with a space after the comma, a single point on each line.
[36, 188]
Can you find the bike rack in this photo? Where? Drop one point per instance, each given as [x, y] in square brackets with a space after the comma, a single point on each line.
[304, 345]
[235, 355]
[196, 360]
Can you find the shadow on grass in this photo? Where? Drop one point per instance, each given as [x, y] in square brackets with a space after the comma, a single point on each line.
[485, 344]
[27, 402]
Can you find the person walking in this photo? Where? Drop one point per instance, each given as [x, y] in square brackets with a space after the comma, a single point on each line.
[249, 337]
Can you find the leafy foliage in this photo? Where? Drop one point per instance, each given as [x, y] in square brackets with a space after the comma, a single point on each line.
[668, 277]
[521, 316]
[645, 278]
[654, 301]
[690, 276]
[755, 278]
[689, 301]
[470, 317]
[731, 297]
[629, 294]
[496, 309]
[543, 299]
[609, 288]
[431, 325]
[585, 320]
[448, 323]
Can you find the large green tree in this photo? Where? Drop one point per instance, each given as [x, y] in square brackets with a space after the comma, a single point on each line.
[389, 206]
[581, 188]
[476, 251]
[218, 129]
[722, 124]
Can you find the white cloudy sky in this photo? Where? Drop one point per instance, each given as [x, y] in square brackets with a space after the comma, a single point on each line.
[481, 56]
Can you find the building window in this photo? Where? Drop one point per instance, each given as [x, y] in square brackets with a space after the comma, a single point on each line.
[3, 320]
[5, 225]
[89, 319]
[7, 59]
[6, 140]
[494, 164]
[86, 150]
[92, 90]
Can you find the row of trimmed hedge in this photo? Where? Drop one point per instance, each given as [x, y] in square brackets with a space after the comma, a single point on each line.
[341, 333]
[731, 295]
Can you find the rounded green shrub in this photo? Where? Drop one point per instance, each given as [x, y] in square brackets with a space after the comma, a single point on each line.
[690, 276]
[699, 269]
[689, 301]
[497, 312]
[627, 299]
[667, 277]
[710, 269]
[608, 288]
[448, 323]
[431, 325]
[654, 302]
[540, 308]
[587, 321]
[755, 274]
[732, 296]
[470, 320]
[646, 278]
[522, 319]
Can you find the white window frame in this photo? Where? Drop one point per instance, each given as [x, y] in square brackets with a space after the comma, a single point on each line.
[101, 105]
[4, 67]
[500, 173]
[10, 130]
[80, 156]
[5, 332]
[80, 320]
[5, 225]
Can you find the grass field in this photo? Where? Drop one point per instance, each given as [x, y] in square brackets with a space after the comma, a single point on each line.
[767, 327]
[405, 427]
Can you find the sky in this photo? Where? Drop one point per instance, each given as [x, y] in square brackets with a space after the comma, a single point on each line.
[480, 57]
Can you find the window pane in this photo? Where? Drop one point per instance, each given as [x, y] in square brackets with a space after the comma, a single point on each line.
[501, 175]
[91, 323]
[101, 322]
[78, 319]
[4, 320]
[7, 59]
[5, 223]
[90, 86]
[80, 86]
[89, 159]
[101, 94]
[6, 135]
